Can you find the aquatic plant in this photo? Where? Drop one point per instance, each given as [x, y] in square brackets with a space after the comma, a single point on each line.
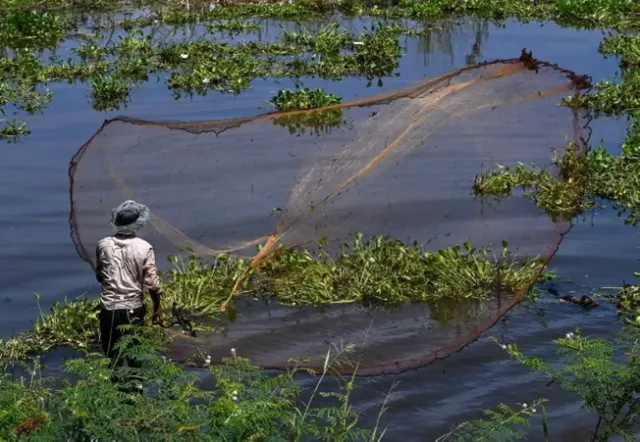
[621, 98]
[386, 272]
[74, 324]
[330, 53]
[305, 98]
[581, 182]
[195, 67]
[604, 378]
[103, 402]
[561, 194]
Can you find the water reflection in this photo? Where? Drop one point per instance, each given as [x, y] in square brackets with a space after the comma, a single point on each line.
[315, 122]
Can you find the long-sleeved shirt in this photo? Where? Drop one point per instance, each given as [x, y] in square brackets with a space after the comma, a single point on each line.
[125, 267]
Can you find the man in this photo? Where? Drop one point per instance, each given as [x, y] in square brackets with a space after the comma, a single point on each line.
[125, 267]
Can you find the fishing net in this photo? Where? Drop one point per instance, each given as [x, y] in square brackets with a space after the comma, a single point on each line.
[400, 164]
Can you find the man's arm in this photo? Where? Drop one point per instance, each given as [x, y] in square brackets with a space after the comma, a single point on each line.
[152, 283]
[98, 265]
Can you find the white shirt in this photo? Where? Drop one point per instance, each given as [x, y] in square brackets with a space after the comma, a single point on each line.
[125, 267]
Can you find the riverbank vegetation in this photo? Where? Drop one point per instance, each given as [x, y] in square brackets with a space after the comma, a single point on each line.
[160, 400]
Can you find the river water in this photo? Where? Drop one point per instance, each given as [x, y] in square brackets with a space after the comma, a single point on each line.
[38, 255]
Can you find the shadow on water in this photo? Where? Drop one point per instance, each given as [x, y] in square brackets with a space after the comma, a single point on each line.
[38, 256]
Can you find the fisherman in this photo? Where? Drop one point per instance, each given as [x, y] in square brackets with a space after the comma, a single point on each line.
[125, 267]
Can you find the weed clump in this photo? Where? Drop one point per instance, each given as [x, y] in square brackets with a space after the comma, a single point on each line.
[582, 180]
[385, 272]
[305, 98]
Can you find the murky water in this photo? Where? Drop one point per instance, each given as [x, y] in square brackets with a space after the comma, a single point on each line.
[38, 255]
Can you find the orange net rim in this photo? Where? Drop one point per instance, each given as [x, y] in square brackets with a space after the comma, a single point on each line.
[579, 82]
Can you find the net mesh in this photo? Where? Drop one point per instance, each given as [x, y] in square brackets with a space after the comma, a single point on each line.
[400, 164]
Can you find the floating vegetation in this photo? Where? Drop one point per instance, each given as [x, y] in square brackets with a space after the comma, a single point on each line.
[581, 182]
[385, 272]
[561, 195]
[30, 36]
[113, 68]
[305, 98]
[74, 324]
[318, 123]
[623, 97]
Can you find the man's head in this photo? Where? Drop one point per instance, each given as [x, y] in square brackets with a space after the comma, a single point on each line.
[129, 217]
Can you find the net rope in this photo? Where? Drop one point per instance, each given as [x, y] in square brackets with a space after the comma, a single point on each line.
[402, 166]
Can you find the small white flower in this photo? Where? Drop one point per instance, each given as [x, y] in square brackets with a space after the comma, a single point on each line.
[358, 43]
[235, 398]
[569, 335]
[533, 410]
[235, 393]
[139, 386]
[184, 56]
[212, 6]
[504, 347]
[233, 350]
[155, 22]
[208, 359]
[524, 405]
[205, 81]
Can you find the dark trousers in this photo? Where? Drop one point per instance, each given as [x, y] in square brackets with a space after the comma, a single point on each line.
[110, 333]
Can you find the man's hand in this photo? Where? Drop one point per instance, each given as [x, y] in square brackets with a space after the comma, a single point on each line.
[156, 319]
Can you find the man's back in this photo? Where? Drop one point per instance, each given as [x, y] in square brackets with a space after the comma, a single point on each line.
[126, 265]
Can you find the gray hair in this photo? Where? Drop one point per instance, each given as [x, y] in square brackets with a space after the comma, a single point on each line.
[128, 218]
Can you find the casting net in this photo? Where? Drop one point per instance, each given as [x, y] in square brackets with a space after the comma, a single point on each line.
[401, 164]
